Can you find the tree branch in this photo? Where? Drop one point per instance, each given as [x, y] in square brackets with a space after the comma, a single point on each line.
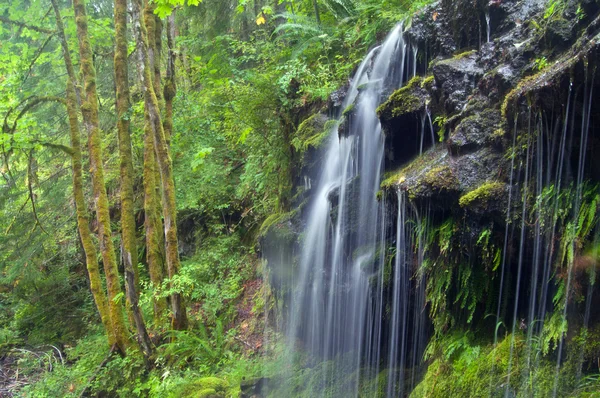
[25, 25]
[39, 52]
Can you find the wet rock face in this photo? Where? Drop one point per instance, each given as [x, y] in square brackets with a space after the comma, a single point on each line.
[476, 94]
[457, 77]
[476, 131]
[404, 121]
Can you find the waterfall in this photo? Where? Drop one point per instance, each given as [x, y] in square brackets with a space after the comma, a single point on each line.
[337, 313]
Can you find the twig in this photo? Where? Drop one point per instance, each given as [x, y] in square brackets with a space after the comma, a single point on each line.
[31, 196]
[38, 53]
[15, 218]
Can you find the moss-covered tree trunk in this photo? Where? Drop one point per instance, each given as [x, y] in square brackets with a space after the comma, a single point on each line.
[179, 316]
[170, 83]
[89, 110]
[152, 220]
[128, 230]
[91, 255]
[155, 255]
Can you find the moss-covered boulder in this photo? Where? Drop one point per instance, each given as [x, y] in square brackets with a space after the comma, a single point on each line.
[278, 226]
[406, 101]
[311, 133]
[441, 179]
[487, 199]
[439, 182]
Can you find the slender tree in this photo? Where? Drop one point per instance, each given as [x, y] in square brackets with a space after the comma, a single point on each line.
[91, 255]
[179, 316]
[128, 230]
[89, 110]
[155, 255]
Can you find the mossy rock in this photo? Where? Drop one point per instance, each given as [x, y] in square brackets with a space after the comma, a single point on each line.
[349, 110]
[483, 196]
[410, 175]
[407, 100]
[441, 179]
[204, 387]
[440, 183]
[280, 223]
[585, 45]
[428, 82]
[311, 133]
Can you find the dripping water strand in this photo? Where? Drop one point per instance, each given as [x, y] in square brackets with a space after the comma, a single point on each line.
[559, 179]
[504, 249]
[520, 261]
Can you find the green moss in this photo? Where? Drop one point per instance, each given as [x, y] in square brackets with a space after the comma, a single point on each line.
[391, 179]
[427, 83]
[348, 110]
[205, 387]
[279, 221]
[482, 194]
[522, 87]
[463, 366]
[441, 178]
[464, 54]
[311, 133]
[208, 393]
[412, 169]
[405, 100]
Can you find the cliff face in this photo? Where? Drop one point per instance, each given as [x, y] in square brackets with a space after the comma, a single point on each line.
[492, 148]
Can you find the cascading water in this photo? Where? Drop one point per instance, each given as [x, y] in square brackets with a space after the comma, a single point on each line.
[445, 246]
[337, 310]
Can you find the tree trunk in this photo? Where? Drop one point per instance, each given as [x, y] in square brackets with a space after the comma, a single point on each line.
[317, 15]
[179, 317]
[152, 221]
[128, 230]
[170, 84]
[91, 256]
[91, 259]
[89, 110]
[155, 255]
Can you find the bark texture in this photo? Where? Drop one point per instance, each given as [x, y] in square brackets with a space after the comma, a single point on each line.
[128, 230]
[179, 316]
[155, 254]
[89, 110]
[170, 84]
[91, 255]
